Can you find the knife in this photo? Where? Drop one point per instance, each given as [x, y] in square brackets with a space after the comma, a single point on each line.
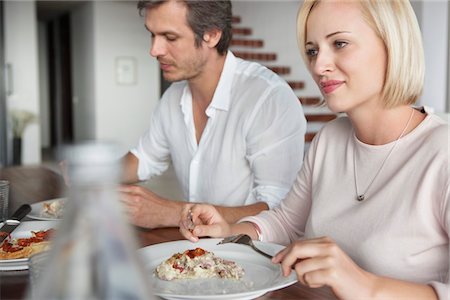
[14, 221]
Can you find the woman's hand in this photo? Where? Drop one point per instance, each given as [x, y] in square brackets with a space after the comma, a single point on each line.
[199, 220]
[320, 262]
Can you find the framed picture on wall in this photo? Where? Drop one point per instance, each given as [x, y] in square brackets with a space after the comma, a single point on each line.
[126, 73]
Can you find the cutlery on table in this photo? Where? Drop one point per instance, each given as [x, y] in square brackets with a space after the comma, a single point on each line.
[14, 221]
[243, 239]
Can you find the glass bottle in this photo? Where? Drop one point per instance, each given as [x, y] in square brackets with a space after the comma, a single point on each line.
[94, 252]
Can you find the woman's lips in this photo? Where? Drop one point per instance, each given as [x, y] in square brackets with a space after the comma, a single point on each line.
[331, 85]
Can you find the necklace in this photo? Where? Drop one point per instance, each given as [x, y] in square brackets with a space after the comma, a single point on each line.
[362, 197]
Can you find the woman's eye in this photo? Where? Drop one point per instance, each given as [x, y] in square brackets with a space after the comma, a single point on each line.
[340, 44]
[311, 52]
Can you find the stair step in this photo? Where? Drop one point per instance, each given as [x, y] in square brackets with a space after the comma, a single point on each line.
[296, 85]
[241, 31]
[280, 70]
[309, 136]
[247, 43]
[320, 118]
[235, 19]
[256, 56]
[310, 100]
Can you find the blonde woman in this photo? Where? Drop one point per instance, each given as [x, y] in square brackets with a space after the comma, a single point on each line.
[369, 213]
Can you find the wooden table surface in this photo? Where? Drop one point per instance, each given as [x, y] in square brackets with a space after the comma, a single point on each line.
[34, 184]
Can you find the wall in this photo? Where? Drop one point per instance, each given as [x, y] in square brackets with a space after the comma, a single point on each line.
[103, 31]
[434, 23]
[83, 71]
[44, 97]
[261, 16]
[275, 22]
[123, 112]
[106, 30]
[21, 52]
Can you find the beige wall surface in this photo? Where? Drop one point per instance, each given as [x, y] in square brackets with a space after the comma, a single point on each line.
[103, 32]
[21, 57]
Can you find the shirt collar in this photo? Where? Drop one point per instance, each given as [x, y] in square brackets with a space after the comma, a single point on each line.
[222, 96]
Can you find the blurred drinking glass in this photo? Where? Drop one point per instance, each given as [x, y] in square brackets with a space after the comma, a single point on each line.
[37, 267]
[4, 200]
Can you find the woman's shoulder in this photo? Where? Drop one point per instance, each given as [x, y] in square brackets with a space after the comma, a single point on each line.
[431, 139]
[436, 129]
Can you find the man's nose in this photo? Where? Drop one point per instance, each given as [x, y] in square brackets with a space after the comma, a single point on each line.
[157, 48]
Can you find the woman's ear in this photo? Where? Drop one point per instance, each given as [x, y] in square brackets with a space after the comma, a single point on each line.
[212, 37]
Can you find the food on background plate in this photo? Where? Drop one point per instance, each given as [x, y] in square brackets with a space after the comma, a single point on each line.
[15, 248]
[54, 208]
[198, 263]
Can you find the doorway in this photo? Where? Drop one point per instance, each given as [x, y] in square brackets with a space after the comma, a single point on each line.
[56, 77]
[60, 81]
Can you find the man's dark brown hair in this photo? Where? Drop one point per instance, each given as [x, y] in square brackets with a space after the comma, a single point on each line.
[202, 17]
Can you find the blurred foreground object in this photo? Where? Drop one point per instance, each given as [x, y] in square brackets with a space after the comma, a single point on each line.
[94, 252]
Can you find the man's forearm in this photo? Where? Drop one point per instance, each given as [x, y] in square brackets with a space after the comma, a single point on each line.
[170, 213]
[130, 165]
[234, 214]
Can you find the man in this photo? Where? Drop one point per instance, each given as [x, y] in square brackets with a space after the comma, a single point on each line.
[233, 130]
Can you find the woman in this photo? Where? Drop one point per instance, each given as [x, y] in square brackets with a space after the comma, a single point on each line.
[369, 213]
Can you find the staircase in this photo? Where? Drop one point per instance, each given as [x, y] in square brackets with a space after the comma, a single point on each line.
[247, 47]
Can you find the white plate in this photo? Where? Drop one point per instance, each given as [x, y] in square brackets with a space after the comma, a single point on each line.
[37, 210]
[24, 231]
[261, 275]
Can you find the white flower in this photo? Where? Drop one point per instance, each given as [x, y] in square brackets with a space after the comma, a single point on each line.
[20, 120]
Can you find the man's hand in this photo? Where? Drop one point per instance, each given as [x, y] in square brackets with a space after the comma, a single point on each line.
[146, 209]
[199, 220]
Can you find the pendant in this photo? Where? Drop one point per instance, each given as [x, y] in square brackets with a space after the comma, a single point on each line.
[360, 197]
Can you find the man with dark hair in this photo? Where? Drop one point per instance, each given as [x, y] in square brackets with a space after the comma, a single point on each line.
[233, 129]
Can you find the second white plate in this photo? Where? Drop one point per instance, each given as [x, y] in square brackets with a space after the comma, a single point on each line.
[37, 210]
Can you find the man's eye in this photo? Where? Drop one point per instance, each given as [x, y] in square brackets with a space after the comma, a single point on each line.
[311, 52]
[340, 44]
[171, 38]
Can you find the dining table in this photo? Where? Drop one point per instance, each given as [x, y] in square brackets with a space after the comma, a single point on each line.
[31, 184]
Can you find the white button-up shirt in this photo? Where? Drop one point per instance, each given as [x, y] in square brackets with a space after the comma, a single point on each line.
[250, 150]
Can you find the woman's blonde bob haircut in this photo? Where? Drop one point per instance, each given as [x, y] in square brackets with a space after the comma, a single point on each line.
[395, 23]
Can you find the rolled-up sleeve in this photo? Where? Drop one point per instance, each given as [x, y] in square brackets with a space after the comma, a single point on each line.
[152, 150]
[286, 223]
[441, 289]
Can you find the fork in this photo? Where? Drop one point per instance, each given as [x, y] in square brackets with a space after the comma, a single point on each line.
[243, 239]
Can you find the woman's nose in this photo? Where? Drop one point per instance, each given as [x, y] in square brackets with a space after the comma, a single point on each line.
[323, 63]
